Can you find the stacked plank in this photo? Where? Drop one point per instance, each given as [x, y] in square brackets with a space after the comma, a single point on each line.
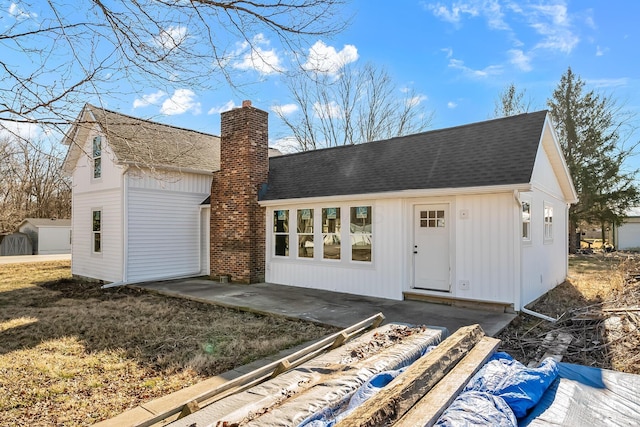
[421, 394]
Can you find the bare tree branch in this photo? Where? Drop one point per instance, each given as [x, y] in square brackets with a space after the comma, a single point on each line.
[361, 104]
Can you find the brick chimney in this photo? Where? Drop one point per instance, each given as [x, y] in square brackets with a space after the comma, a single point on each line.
[237, 222]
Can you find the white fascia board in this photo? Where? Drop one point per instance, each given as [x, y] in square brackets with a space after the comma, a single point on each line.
[556, 150]
[404, 194]
[166, 168]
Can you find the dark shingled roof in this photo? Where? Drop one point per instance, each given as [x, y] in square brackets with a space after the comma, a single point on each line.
[494, 152]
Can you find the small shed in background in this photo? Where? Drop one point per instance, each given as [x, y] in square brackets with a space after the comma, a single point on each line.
[48, 235]
[627, 235]
[15, 244]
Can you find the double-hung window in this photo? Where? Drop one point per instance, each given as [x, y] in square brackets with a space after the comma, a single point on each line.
[305, 233]
[331, 233]
[96, 216]
[548, 222]
[526, 221]
[361, 233]
[96, 153]
[281, 232]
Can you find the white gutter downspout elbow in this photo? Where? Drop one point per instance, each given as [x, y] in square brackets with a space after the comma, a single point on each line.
[538, 315]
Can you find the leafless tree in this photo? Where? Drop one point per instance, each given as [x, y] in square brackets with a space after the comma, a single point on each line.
[58, 54]
[360, 104]
[511, 102]
[32, 184]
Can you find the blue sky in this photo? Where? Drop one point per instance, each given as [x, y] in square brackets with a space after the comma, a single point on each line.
[457, 56]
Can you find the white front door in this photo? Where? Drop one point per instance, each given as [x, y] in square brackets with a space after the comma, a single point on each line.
[431, 247]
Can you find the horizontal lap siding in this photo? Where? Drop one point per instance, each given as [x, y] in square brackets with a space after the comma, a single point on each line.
[107, 265]
[164, 233]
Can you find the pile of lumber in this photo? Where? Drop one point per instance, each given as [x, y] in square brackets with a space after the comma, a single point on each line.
[421, 394]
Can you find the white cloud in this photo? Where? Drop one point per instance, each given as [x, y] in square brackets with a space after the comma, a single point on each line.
[491, 70]
[27, 131]
[520, 59]
[415, 100]
[149, 99]
[448, 51]
[286, 145]
[553, 23]
[489, 9]
[183, 100]
[327, 60]
[451, 105]
[254, 57]
[285, 109]
[601, 51]
[171, 37]
[229, 105]
[453, 15]
[331, 109]
[18, 13]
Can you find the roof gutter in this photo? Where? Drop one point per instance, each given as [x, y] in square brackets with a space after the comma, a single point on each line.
[432, 192]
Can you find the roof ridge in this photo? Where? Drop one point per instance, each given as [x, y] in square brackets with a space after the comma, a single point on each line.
[150, 121]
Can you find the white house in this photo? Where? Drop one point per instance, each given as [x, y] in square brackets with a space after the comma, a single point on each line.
[476, 212]
[138, 188]
[48, 235]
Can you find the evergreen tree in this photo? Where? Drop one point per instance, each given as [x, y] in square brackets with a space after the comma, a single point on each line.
[589, 127]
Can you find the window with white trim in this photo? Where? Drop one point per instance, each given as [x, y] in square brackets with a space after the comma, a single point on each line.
[548, 222]
[526, 221]
[96, 219]
[305, 233]
[331, 233]
[96, 153]
[281, 232]
[361, 233]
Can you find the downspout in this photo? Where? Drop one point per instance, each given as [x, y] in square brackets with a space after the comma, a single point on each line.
[523, 309]
[125, 223]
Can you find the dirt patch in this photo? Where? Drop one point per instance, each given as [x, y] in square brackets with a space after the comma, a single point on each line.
[598, 307]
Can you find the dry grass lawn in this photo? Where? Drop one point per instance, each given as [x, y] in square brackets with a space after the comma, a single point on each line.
[599, 306]
[72, 354]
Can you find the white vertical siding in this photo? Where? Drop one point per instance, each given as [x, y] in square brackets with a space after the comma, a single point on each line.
[163, 225]
[544, 261]
[383, 277]
[106, 265]
[169, 181]
[484, 247]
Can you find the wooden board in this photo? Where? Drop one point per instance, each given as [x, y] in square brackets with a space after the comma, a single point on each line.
[428, 409]
[392, 402]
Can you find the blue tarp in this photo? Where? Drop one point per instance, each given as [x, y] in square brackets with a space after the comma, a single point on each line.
[515, 388]
[585, 396]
